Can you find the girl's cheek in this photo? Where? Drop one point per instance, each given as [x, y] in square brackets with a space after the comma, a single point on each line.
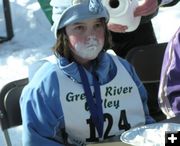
[101, 37]
[100, 34]
[75, 40]
[101, 41]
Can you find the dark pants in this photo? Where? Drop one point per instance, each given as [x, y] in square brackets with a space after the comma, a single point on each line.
[123, 42]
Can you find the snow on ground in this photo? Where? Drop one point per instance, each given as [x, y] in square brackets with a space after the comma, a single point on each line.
[33, 40]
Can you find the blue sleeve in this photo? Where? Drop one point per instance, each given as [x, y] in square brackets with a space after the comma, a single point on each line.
[169, 89]
[41, 111]
[141, 88]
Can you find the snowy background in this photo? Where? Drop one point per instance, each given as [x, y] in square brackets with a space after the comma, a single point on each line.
[33, 40]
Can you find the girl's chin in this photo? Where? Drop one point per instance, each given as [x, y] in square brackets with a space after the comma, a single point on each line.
[89, 58]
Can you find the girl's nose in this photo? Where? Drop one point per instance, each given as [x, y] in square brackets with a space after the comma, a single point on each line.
[91, 32]
[91, 37]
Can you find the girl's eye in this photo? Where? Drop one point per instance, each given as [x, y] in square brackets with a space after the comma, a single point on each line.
[98, 25]
[79, 27]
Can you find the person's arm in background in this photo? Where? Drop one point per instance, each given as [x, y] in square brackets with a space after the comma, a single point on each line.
[169, 89]
[147, 9]
[169, 3]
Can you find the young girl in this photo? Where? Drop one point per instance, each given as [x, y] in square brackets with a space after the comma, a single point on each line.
[84, 94]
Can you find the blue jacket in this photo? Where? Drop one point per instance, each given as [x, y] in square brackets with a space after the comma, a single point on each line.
[42, 114]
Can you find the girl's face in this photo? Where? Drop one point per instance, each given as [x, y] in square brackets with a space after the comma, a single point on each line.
[86, 39]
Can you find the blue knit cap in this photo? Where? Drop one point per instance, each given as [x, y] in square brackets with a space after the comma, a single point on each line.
[67, 12]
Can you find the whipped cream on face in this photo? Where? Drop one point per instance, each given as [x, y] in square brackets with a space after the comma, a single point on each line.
[90, 49]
